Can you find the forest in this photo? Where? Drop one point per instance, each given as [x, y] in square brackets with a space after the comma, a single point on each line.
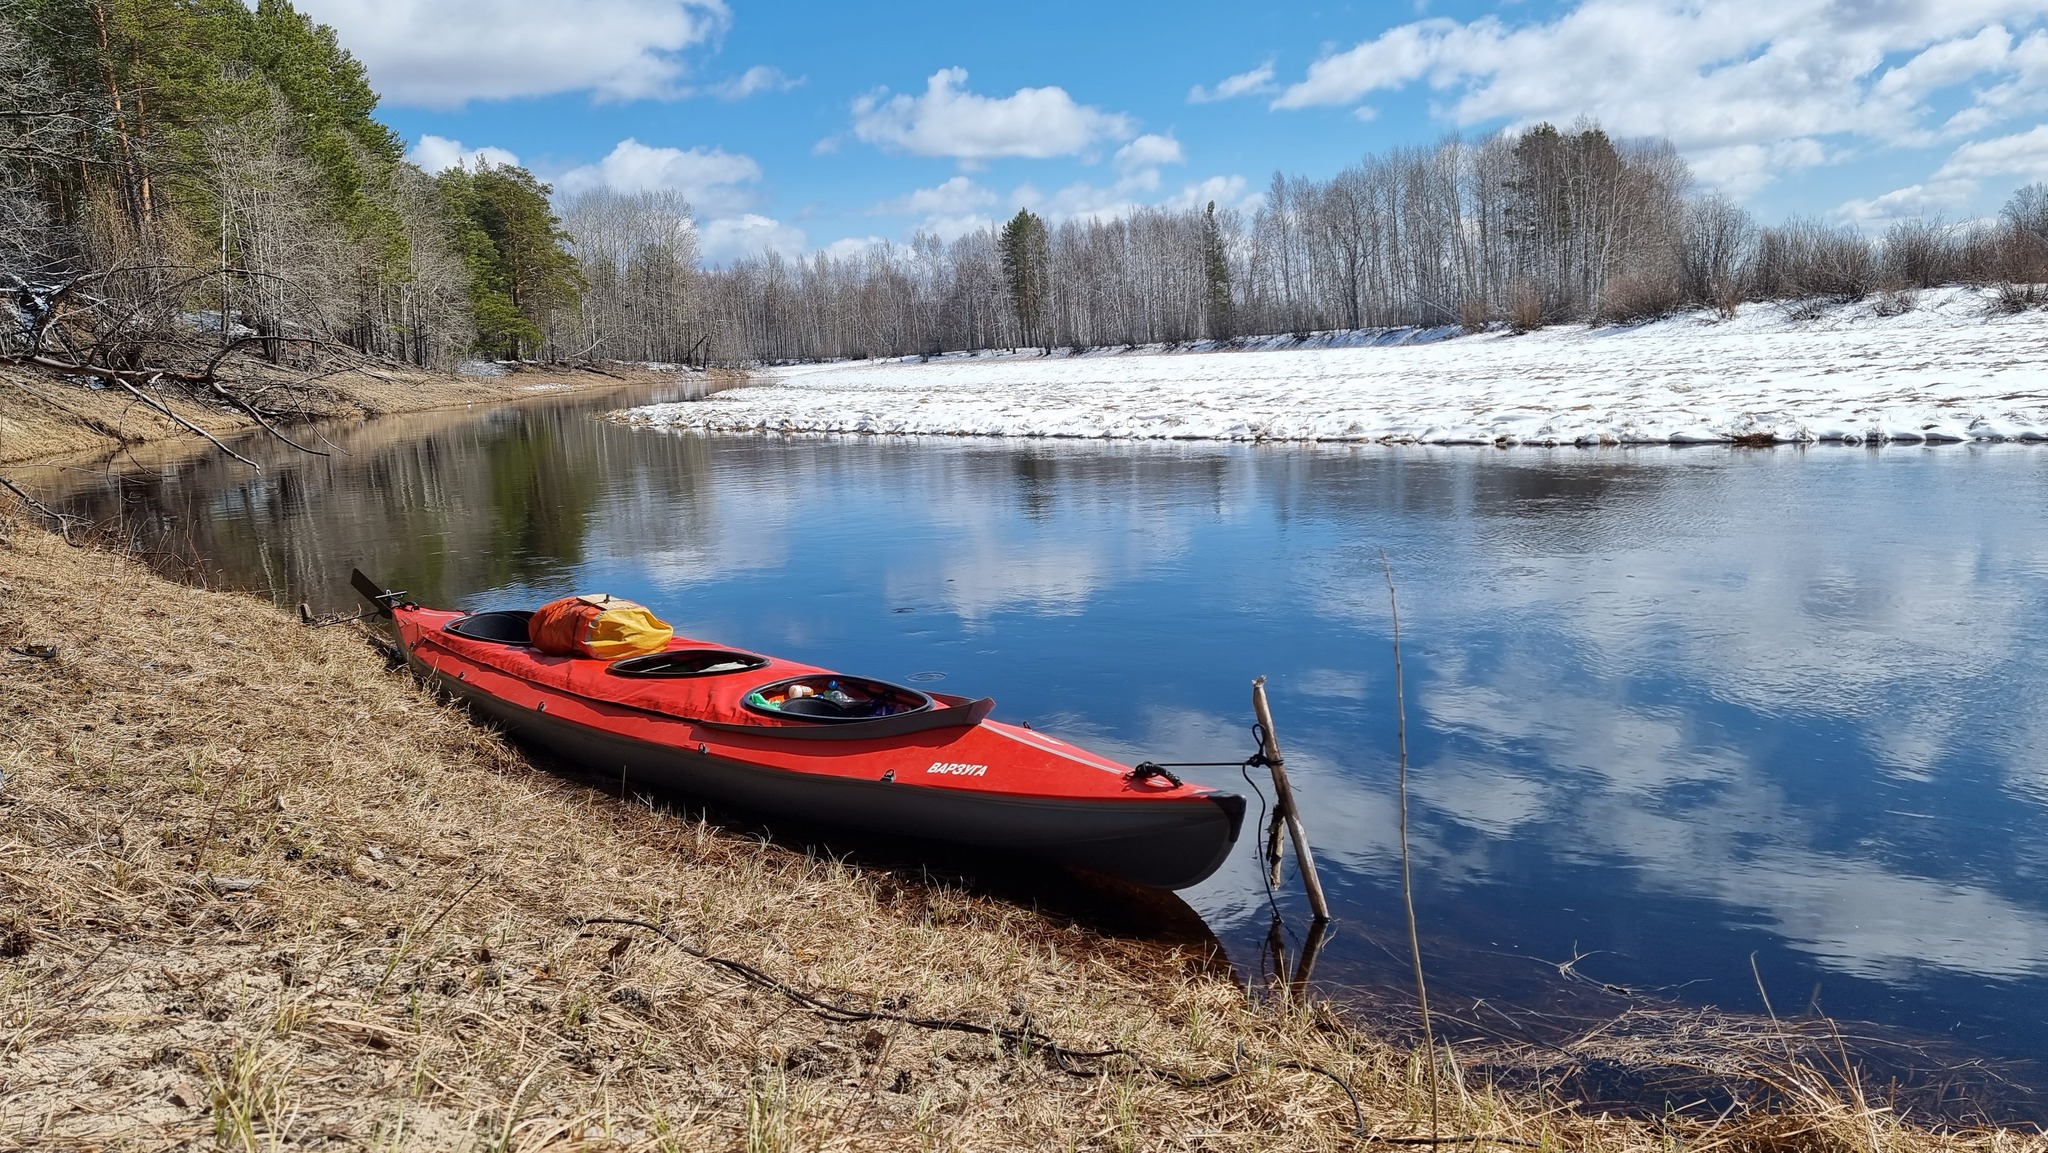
[185, 184]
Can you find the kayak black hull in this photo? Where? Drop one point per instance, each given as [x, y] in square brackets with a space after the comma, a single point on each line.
[1145, 842]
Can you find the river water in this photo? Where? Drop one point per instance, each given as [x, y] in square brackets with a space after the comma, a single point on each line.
[1685, 727]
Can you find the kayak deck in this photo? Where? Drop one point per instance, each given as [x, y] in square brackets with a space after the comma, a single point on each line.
[930, 766]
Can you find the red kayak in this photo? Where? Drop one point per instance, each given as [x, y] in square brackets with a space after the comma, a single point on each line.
[781, 738]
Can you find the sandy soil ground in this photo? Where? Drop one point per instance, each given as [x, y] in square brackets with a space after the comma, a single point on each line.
[44, 416]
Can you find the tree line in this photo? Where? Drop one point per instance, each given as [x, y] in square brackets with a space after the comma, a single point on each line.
[187, 181]
[1520, 230]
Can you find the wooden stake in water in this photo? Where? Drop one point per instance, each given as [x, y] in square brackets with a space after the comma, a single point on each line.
[1285, 809]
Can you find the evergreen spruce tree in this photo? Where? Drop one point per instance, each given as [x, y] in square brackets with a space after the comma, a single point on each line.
[1216, 276]
[1027, 264]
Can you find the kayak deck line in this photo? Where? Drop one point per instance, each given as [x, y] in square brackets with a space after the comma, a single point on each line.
[1038, 743]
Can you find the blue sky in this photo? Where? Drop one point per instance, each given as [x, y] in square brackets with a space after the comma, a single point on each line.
[803, 125]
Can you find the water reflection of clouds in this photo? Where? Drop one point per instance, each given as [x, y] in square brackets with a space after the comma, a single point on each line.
[1741, 844]
[979, 576]
[1769, 626]
[978, 565]
[1341, 684]
[1518, 714]
[1875, 611]
[675, 543]
[1861, 920]
[1481, 796]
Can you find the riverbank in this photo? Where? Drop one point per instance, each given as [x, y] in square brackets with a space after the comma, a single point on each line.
[1945, 365]
[44, 416]
[255, 890]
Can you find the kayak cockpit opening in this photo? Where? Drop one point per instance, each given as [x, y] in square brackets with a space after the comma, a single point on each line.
[829, 697]
[502, 627]
[688, 663]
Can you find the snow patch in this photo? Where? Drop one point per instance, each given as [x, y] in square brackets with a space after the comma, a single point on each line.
[1950, 370]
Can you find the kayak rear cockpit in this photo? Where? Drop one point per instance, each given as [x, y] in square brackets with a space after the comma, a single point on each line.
[836, 699]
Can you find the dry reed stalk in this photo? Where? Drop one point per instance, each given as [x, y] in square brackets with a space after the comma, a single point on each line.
[1407, 878]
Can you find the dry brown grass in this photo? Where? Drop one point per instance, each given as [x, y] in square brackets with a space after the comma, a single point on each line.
[1525, 308]
[260, 893]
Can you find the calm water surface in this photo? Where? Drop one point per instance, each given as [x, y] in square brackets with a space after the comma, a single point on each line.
[1700, 718]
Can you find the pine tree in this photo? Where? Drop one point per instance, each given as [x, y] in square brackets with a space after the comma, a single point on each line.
[1216, 277]
[1027, 262]
[329, 95]
[520, 271]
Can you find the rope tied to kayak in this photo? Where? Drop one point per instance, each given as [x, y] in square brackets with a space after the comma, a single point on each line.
[1068, 1059]
[1148, 770]
[1151, 770]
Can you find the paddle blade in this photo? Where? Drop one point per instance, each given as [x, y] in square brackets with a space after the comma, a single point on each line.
[372, 591]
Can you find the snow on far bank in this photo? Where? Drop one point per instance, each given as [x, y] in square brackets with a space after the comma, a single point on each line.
[1950, 370]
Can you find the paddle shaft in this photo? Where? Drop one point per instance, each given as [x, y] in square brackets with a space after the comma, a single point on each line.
[1286, 810]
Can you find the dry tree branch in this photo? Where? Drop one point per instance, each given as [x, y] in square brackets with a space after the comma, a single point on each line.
[257, 416]
[64, 521]
[166, 409]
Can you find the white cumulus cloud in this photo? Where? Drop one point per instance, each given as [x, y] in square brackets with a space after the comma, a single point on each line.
[1251, 83]
[748, 234]
[2023, 154]
[759, 78]
[1913, 202]
[713, 180]
[949, 211]
[1149, 151]
[438, 154]
[2019, 158]
[1132, 194]
[445, 54]
[853, 247]
[947, 120]
[955, 196]
[1222, 191]
[1746, 88]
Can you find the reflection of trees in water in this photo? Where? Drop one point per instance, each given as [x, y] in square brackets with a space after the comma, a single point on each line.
[541, 489]
[442, 504]
[1037, 475]
[1562, 503]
